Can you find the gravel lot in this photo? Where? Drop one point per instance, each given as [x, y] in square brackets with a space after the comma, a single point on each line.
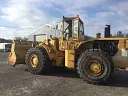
[16, 81]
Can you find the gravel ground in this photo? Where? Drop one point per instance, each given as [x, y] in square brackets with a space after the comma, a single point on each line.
[16, 81]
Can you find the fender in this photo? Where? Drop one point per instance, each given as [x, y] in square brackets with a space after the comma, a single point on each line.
[50, 51]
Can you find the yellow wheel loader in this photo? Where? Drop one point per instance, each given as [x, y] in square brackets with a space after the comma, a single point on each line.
[95, 59]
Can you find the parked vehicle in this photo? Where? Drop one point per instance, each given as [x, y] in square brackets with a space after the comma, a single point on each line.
[5, 47]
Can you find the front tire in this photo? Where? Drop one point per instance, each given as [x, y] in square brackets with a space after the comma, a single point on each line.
[37, 61]
[95, 66]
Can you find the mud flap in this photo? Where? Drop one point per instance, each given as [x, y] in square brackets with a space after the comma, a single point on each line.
[18, 51]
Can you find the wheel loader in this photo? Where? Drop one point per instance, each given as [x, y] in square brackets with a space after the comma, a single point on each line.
[95, 60]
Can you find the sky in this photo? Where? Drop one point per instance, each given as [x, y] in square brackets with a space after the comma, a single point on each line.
[22, 17]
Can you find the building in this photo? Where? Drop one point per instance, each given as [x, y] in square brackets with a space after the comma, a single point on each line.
[44, 33]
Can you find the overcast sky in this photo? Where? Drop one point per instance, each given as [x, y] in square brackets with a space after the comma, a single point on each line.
[22, 17]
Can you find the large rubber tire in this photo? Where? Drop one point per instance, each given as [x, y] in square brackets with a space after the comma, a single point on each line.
[100, 57]
[44, 64]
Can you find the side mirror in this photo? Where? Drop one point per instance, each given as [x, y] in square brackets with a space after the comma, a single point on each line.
[50, 36]
[57, 26]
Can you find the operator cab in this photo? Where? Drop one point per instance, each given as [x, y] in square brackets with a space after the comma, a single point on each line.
[72, 28]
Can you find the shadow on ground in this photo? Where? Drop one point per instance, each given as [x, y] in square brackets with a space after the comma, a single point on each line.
[62, 72]
[118, 79]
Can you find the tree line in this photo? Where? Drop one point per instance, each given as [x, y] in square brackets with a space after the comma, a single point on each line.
[116, 35]
[20, 38]
[120, 34]
[2, 40]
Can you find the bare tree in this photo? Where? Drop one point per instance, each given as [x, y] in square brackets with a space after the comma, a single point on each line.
[126, 35]
[20, 38]
[25, 38]
[119, 34]
[17, 38]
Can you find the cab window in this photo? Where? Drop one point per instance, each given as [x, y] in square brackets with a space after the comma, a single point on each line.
[81, 29]
[75, 29]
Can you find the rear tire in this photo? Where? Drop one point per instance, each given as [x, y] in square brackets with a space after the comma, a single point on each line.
[95, 66]
[43, 65]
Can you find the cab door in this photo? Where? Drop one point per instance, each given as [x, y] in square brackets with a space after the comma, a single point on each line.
[75, 28]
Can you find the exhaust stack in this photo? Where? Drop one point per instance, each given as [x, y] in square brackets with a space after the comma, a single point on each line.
[107, 33]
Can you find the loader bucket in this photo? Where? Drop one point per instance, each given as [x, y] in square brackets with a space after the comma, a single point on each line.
[18, 51]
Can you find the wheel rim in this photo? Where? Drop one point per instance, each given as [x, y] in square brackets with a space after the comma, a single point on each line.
[34, 61]
[95, 68]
